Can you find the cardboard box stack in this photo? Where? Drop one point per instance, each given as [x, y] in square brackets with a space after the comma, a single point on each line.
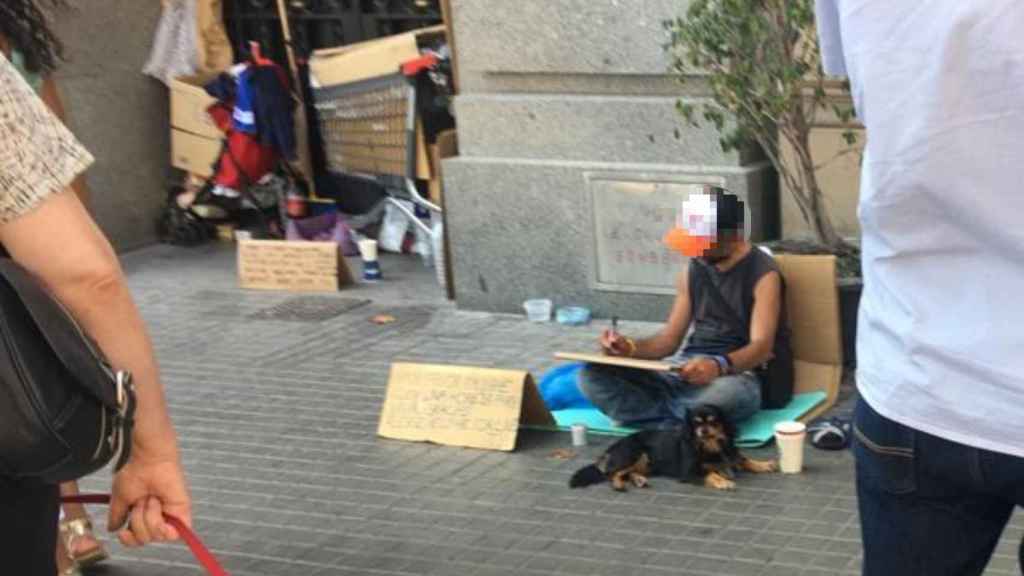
[195, 140]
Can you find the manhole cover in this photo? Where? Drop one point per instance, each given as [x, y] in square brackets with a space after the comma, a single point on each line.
[308, 309]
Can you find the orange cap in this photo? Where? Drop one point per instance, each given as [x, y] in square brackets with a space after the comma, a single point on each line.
[680, 240]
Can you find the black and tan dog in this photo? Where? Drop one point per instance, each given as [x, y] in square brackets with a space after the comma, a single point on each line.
[703, 448]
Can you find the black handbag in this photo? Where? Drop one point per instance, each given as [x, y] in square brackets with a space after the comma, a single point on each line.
[777, 374]
[64, 413]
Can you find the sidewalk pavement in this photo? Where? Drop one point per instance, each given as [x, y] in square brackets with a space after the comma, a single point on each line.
[276, 398]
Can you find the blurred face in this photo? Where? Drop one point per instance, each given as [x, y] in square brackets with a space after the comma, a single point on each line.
[697, 233]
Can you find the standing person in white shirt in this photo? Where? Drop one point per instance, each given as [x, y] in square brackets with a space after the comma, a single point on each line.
[939, 429]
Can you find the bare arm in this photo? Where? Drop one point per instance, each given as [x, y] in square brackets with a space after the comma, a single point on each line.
[60, 244]
[667, 340]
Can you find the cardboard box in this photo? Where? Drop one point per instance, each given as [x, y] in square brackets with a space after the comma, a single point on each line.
[379, 57]
[189, 102]
[291, 266]
[460, 406]
[194, 154]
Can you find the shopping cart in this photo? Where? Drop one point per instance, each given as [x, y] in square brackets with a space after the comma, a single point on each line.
[369, 130]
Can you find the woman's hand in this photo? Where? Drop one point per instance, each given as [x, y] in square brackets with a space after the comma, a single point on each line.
[150, 485]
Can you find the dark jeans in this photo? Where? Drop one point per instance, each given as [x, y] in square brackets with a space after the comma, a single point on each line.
[928, 506]
[28, 527]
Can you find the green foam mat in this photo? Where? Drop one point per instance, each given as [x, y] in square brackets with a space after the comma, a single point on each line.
[758, 430]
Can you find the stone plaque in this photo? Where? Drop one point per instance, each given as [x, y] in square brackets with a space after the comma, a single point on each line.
[629, 219]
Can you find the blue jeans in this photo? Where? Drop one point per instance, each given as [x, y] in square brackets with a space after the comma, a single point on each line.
[647, 399]
[928, 506]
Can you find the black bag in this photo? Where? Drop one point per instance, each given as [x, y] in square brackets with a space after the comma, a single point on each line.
[64, 413]
[776, 375]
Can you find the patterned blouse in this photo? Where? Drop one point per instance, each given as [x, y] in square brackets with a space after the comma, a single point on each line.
[38, 155]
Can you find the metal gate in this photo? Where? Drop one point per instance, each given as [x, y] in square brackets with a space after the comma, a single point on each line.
[323, 23]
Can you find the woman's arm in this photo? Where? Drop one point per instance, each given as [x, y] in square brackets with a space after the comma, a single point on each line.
[60, 244]
[45, 228]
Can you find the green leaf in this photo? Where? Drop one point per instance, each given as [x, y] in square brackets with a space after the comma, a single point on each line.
[760, 59]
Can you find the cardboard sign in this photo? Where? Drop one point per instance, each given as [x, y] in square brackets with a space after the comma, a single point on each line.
[617, 361]
[460, 406]
[293, 266]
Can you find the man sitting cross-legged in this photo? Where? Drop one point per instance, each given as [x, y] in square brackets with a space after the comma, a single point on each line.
[717, 361]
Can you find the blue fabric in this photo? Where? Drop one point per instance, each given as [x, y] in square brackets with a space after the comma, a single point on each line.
[273, 105]
[928, 505]
[244, 116]
[756, 431]
[559, 389]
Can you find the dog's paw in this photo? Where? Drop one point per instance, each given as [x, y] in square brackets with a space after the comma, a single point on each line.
[641, 481]
[716, 481]
[761, 466]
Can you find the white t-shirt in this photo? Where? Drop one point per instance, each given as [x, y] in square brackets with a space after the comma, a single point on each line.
[940, 88]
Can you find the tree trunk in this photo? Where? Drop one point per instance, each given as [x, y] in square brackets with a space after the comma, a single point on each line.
[813, 206]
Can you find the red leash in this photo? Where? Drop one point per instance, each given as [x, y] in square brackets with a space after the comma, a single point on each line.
[199, 550]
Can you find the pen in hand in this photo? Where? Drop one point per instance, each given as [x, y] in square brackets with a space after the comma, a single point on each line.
[612, 340]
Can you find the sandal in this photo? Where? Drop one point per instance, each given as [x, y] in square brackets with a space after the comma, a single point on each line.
[830, 434]
[71, 532]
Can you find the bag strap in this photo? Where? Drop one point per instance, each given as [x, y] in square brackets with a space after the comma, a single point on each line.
[717, 295]
[199, 550]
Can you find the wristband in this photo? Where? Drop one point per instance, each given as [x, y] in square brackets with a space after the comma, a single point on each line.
[724, 365]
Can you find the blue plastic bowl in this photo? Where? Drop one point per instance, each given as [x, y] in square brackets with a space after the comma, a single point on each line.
[573, 316]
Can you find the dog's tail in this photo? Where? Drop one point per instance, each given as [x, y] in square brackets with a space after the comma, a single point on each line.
[586, 476]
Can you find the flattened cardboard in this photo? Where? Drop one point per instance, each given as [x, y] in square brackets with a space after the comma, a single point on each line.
[812, 302]
[616, 361]
[194, 154]
[460, 406]
[291, 266]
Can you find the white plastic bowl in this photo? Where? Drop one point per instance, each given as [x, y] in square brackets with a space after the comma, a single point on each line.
[538, 310]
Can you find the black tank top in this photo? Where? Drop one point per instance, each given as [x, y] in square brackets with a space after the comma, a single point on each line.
[714, 328]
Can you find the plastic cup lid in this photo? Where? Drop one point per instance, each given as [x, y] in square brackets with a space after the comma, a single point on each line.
[790, 428]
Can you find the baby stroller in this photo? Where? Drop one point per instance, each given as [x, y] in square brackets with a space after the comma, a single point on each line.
[251, 176]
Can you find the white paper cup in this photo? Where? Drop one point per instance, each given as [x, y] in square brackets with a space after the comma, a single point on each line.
[579, 435]
[368, 250]
[789, 437]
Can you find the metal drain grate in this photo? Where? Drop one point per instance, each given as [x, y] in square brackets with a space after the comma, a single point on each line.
[308, 309]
